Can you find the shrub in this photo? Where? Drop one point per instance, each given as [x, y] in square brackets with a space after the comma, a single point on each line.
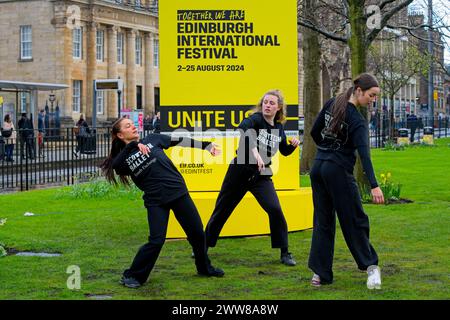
[390, 145]
[98, 188]
[391, 190]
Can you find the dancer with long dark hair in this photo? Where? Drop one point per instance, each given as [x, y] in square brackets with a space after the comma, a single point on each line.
[164, 189]
[339, 131]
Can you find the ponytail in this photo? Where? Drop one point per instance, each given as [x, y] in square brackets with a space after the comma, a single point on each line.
[338, 110]
[365, 81]
[117, 146]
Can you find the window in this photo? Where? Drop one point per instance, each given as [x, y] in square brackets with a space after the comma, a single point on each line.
[77, 43]
[100, 38]
[76, 96]
[23, 102]
[25, 42]
[138, 97]
[138, 50]
[120, 48]
[156, 52]
[100, 101]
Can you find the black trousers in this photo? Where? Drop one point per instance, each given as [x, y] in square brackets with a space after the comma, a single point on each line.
[238, 180]
[28, 143]
[335, 190]
[158, 217]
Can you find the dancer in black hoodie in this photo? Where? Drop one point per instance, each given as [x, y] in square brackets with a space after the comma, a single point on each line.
[339, 131]
[164, 189]
[262, 135]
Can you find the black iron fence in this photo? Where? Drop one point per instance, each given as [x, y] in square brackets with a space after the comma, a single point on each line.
[36, 159]
[32, 159]
[383, 129]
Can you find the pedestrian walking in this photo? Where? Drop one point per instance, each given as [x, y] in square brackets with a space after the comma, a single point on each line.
[81, 131]
[41, 132]
[26, 134]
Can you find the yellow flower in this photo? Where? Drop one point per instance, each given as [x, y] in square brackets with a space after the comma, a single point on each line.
[388, 176]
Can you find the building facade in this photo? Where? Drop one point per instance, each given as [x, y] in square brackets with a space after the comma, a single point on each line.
[438, 107]
[79, 41]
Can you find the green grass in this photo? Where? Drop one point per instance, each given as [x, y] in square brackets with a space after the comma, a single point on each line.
[101, 236]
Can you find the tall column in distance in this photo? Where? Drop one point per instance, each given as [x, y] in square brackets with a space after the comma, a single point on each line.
[149, 106]
[91, 58]
[131, 70]
[112, 111]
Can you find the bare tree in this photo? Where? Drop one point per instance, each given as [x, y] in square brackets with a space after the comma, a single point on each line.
[395, 64]
[356, 23]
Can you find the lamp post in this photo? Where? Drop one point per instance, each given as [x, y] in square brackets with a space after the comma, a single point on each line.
[51, 98]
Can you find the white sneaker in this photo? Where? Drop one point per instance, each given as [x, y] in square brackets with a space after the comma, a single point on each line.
[315, 281]
[374, 277]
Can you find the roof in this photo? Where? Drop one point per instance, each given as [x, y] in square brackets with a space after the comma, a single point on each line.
[40, 86]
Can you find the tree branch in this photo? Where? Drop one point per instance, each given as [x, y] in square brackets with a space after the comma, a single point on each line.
[323, 32]
[384, 20]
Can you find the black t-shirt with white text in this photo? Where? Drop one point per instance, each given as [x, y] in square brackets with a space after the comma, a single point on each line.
[154, 173]
[341, 148]
[257, 132]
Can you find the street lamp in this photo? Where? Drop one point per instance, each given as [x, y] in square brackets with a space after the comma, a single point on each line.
[51, 98]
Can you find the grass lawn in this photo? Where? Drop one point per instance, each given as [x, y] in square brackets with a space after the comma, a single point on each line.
[101, 236]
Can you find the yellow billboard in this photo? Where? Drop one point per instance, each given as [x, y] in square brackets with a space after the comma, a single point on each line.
[217, 59]
[227, 52]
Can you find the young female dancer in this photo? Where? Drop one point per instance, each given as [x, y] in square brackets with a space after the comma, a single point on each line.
[164, 189]
[339, 131]
[262, 135]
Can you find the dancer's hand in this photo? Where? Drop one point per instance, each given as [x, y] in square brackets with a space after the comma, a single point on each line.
[294, 142]
[259, 160]
[215, 150]
[144, 149]
[377, 195]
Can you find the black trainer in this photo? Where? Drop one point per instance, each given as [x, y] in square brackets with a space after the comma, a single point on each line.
[286, 258]
[130, 282]
[212, 272]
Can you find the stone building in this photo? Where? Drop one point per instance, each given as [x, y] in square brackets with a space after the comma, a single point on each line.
[76, 42]
[438, 71]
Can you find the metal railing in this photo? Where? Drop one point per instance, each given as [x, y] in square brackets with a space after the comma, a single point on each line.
[41, 160]
[381, 131]
[38, 159]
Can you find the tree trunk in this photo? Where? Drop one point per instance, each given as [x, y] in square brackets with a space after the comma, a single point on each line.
[358, 51]
[311, 97]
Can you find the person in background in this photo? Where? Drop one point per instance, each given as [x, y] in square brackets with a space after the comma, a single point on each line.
[412, 123]
[26, 134]
[157, 123]
[82, 129]
[10, 135]
[41, 132]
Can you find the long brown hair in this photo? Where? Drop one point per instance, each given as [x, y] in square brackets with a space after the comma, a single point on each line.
[365, 81]
[117, 146]
[281, 114]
